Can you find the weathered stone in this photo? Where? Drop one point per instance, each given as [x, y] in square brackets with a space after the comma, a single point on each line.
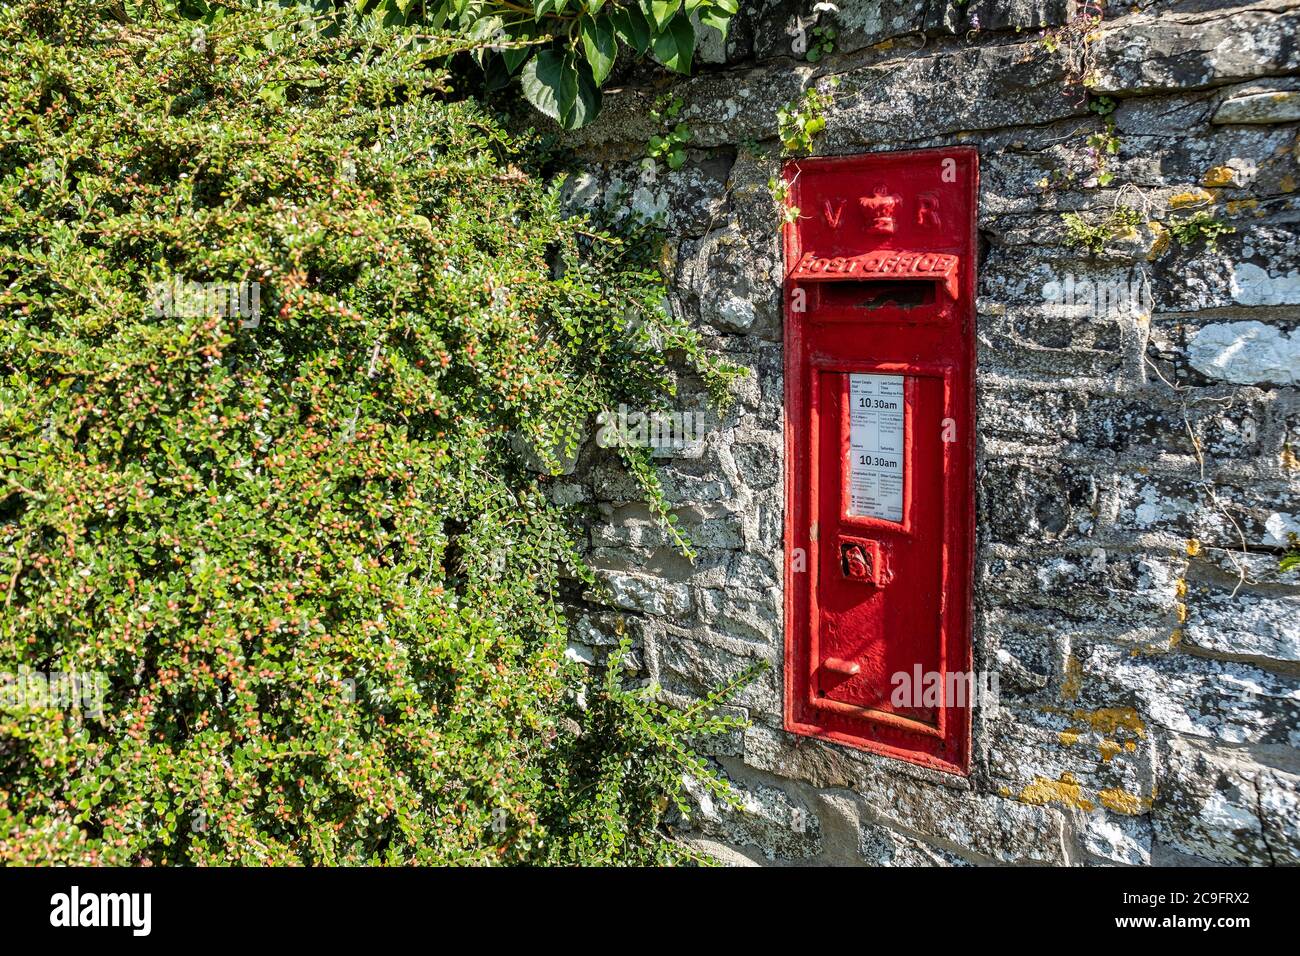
[1224, 701]
[1130, 591]
[1116, 839]
[992, 827]
[769, 819]
[881, 846]
[1002, 830]
[750, 615]
[1247, 353]
[636, 592]
[1276, 102]
[1035, 502]
[1227, 810]
[975, 88]
[1194, 50]
[1245, 623]
[704, 661]
[1077, 760]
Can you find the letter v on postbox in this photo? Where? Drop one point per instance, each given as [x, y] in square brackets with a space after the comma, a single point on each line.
[880, 437]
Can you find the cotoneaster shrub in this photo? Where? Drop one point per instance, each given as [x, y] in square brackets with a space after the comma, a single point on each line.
[301, 547]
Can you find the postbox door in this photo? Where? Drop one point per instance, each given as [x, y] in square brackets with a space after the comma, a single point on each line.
[880, 544]
[879, 364]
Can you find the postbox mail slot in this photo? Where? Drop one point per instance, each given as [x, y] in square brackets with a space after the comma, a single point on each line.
[879, 371]
[878, 294]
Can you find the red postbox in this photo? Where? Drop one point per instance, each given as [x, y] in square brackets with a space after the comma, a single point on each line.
[880, 429]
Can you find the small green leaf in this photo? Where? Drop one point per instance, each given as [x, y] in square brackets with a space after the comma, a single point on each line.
[514, 56]
[599, 44]
[719, 22]
[661, 12]
[676, 45]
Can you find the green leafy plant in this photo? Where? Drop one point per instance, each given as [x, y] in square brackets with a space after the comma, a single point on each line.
[564, 50]
[1102, 105]
[1074, 39]
[821, 42]
[1099, 147]
[655, 744]
[779, 189]
[1199, 225]
[295, 537]
[1291, 560]
[1120, 222]
[803, 118]
[670, 146]
[1102, 145]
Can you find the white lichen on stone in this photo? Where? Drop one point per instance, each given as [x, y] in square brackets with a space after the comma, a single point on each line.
[1246, 353]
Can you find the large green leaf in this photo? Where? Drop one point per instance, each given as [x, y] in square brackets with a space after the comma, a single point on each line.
[562, 87]
[550, 84]
[675, 45]
[660, 12]
[587, 102]
[632, 28]
[718, 14]
[599, 44]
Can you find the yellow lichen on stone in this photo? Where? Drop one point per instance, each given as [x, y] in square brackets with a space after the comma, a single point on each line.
[1160, 243]
[1193, 547]
[1219, 176]
[1110, 720]
[1069, 737]
[1193, 197]
[1108, 748]
[1238, 207]
[1073, 679]
[1065, 791]
[1121, 801]
[1286, 184]
[1289, 459]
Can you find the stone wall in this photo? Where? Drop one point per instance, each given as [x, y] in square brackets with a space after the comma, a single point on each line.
[1137, 468]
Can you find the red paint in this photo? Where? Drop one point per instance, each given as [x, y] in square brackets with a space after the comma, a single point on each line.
[882, 258]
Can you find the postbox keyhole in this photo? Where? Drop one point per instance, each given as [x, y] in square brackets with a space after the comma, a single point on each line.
[856, 562]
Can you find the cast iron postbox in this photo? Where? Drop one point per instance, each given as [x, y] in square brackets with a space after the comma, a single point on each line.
[879, 358]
